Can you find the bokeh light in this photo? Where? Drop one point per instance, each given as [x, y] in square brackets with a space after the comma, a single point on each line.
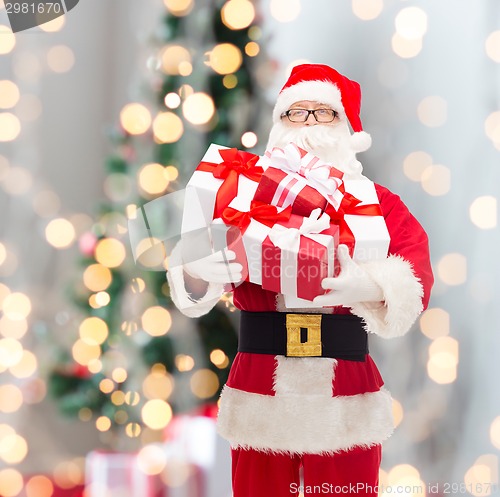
[204, 383]
[495, 432]
[481, 479]
[436, 180]
[53, 26]
[60, 233]
[156, 414]
[17, 449]
[68, 474]
[483, 212]
[433, 111]
[11, 398]
[11, 352]
[152, 178]
[16, 306]
[404, 48]
[152, 459]
[103, 423]
[97, 277]
[156, 321]
[26, 366]
[119, 375]
[415, 164]
[93, 330]
[174, 58]
[225, 58]
[443, 360]
[219, 358]
[452, 269]
[7, 39]
[397, 412]
[84, 353]
[172, 100]
[11, 481]
[367, 9]
[110, 252]
[492, 46]
[492, 128]
[249, 139]
[285, 10]
[252, 48]
[179, 7]
[167, 127]
[9, 94]
[60, 58]
[237, 14]
[157, 385]
[135, 118]
[184, 362]
[39, 486]
[171, 173]
[10, 126]
[18, 180]
[435, 322]
[411, 23]
[198, 108]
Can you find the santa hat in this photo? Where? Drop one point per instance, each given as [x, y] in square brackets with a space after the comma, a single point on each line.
[321, 83]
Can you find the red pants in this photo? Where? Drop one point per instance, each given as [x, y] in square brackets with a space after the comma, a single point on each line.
[353, 472]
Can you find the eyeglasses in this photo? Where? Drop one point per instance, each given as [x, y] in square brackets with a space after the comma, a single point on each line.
[302, 115]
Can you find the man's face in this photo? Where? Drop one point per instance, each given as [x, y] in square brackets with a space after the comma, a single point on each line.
[311, 121]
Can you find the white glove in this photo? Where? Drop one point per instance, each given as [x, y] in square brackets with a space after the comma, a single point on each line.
[351, 286]
[214, 269]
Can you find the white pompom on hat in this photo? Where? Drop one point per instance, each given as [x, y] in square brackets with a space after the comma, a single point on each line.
[321, 83]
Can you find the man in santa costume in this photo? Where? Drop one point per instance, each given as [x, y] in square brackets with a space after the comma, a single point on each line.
[328, 413]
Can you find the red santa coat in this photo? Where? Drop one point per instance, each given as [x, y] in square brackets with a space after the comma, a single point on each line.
[323, 405]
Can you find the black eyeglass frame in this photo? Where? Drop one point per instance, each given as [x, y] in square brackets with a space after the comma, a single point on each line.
[309, 112]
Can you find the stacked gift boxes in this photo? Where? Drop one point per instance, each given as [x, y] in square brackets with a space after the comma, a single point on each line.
[283, 214]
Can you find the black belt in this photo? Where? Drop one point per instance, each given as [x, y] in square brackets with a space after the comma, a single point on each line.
[340, 336]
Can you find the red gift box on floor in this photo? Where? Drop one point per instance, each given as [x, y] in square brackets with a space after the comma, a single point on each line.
[298, 254]
[298, 178]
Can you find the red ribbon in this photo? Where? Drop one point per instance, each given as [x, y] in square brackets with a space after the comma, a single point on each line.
[234, 162]
[260, 211]
[350, 205]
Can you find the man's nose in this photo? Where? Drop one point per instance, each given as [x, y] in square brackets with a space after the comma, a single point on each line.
[311, 120]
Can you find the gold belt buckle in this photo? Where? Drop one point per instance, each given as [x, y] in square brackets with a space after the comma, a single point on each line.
[312, 346]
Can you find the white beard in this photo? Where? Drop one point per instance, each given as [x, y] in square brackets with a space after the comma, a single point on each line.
[331, 144]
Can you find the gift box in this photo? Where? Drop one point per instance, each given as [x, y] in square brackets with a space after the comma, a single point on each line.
[298, 254]
[120, 474]
[298, 178]
[216, 181]
[361, 227]
[361, 222]
[248, 223]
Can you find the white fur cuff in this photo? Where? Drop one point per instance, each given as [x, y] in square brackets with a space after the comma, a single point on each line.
[180, 297]
[304, 424]
[402, 295]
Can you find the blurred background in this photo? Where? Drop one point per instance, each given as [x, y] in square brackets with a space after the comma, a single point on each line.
[112, 105]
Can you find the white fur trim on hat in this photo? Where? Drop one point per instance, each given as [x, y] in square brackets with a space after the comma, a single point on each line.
[178, 293]
[361, 141]
[318, 91]
[304, 424]
[402, 296]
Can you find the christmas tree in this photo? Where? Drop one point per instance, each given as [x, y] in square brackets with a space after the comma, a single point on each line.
[136, 361]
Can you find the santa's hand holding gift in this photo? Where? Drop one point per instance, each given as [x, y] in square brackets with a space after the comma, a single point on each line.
[303, 389]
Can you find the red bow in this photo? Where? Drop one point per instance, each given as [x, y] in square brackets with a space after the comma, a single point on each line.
[350, 205]
[234, 162]
[260, 211]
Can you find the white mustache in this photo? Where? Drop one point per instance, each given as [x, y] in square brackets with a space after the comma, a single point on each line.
[330, 143]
